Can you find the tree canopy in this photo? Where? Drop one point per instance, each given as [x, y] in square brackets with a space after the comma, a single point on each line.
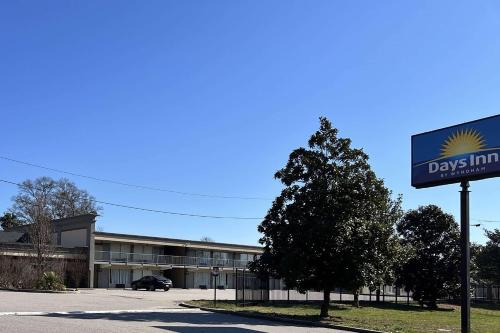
[432, 239]
[332, 224]
[54, 199]
[40, 201]
[488, 258]
[9, 220]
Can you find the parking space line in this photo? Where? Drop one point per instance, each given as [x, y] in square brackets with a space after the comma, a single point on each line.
[39, 313]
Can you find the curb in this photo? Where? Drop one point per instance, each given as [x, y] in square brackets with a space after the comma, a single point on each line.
[40, 291]
[282, 319]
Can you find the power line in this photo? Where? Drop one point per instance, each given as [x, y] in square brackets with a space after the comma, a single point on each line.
[157, 210]
[486, 221]
[143, 187]
[195, 215]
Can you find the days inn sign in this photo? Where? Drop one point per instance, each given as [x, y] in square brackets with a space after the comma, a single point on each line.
[458, 154]
[469, 151]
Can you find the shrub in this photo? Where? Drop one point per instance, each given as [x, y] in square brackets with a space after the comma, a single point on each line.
[50, 281]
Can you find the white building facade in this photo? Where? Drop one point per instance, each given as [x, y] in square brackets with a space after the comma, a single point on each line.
[115, 260]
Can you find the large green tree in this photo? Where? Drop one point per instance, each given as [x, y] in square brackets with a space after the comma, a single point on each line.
[9, 220]
[321, 231]
[432, 240]
[488, 258]
[372, 248]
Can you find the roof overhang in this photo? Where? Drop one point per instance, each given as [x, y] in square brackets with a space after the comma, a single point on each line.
[111, 237]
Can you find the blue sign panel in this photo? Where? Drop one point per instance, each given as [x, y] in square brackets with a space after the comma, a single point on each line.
[468, 151]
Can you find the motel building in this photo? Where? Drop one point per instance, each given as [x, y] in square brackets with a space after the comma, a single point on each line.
[115, 260]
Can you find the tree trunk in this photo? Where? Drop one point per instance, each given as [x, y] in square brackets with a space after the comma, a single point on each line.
[326, 303]
[356, 297]
[378, 295]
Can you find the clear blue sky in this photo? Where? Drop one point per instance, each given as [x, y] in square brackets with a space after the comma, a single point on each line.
[211, 97]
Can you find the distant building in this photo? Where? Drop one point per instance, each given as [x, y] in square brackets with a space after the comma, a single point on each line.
[115, 260]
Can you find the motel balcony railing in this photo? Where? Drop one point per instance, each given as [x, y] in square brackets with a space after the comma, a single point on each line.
[165, 260]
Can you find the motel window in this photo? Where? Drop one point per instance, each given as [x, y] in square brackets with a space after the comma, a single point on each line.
[198, 253]
[202, 254]
[120, 276]
[221, 255]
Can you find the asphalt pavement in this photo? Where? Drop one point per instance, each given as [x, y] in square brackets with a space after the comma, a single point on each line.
[103, 299]
[169, 320]
[121, 311]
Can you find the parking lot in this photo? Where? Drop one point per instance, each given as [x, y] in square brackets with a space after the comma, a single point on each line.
[114, 310]
[161, 321]
[103, 299]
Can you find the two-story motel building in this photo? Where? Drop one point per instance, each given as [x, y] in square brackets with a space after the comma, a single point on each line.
[115, 260]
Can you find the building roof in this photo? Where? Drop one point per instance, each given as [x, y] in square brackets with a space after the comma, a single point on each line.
[107, 236]
[87, 219]
[79, 221]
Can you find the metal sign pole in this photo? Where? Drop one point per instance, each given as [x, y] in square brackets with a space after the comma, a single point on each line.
[465, 249]
[215, 273]
[215, 291]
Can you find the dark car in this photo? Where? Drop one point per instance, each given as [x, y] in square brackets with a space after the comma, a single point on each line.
[152, 283]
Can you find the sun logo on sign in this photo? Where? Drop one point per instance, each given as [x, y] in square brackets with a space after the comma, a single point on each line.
[462, 142]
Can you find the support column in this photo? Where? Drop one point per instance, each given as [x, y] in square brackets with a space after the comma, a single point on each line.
[185, 277]
[91, 252]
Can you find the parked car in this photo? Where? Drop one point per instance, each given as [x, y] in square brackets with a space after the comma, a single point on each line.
[152, 283]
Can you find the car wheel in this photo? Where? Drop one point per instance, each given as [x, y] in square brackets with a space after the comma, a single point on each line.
[152, 288]
[166, 288]
[134, 287]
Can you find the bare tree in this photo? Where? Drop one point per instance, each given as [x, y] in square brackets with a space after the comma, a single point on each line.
[41, 201]
[32, 207]
[206, 239]
[33, 200]
[69, 200]
[57, 199]
[40, 235]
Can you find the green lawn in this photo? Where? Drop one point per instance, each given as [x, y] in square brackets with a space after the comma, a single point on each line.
[385, 317]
